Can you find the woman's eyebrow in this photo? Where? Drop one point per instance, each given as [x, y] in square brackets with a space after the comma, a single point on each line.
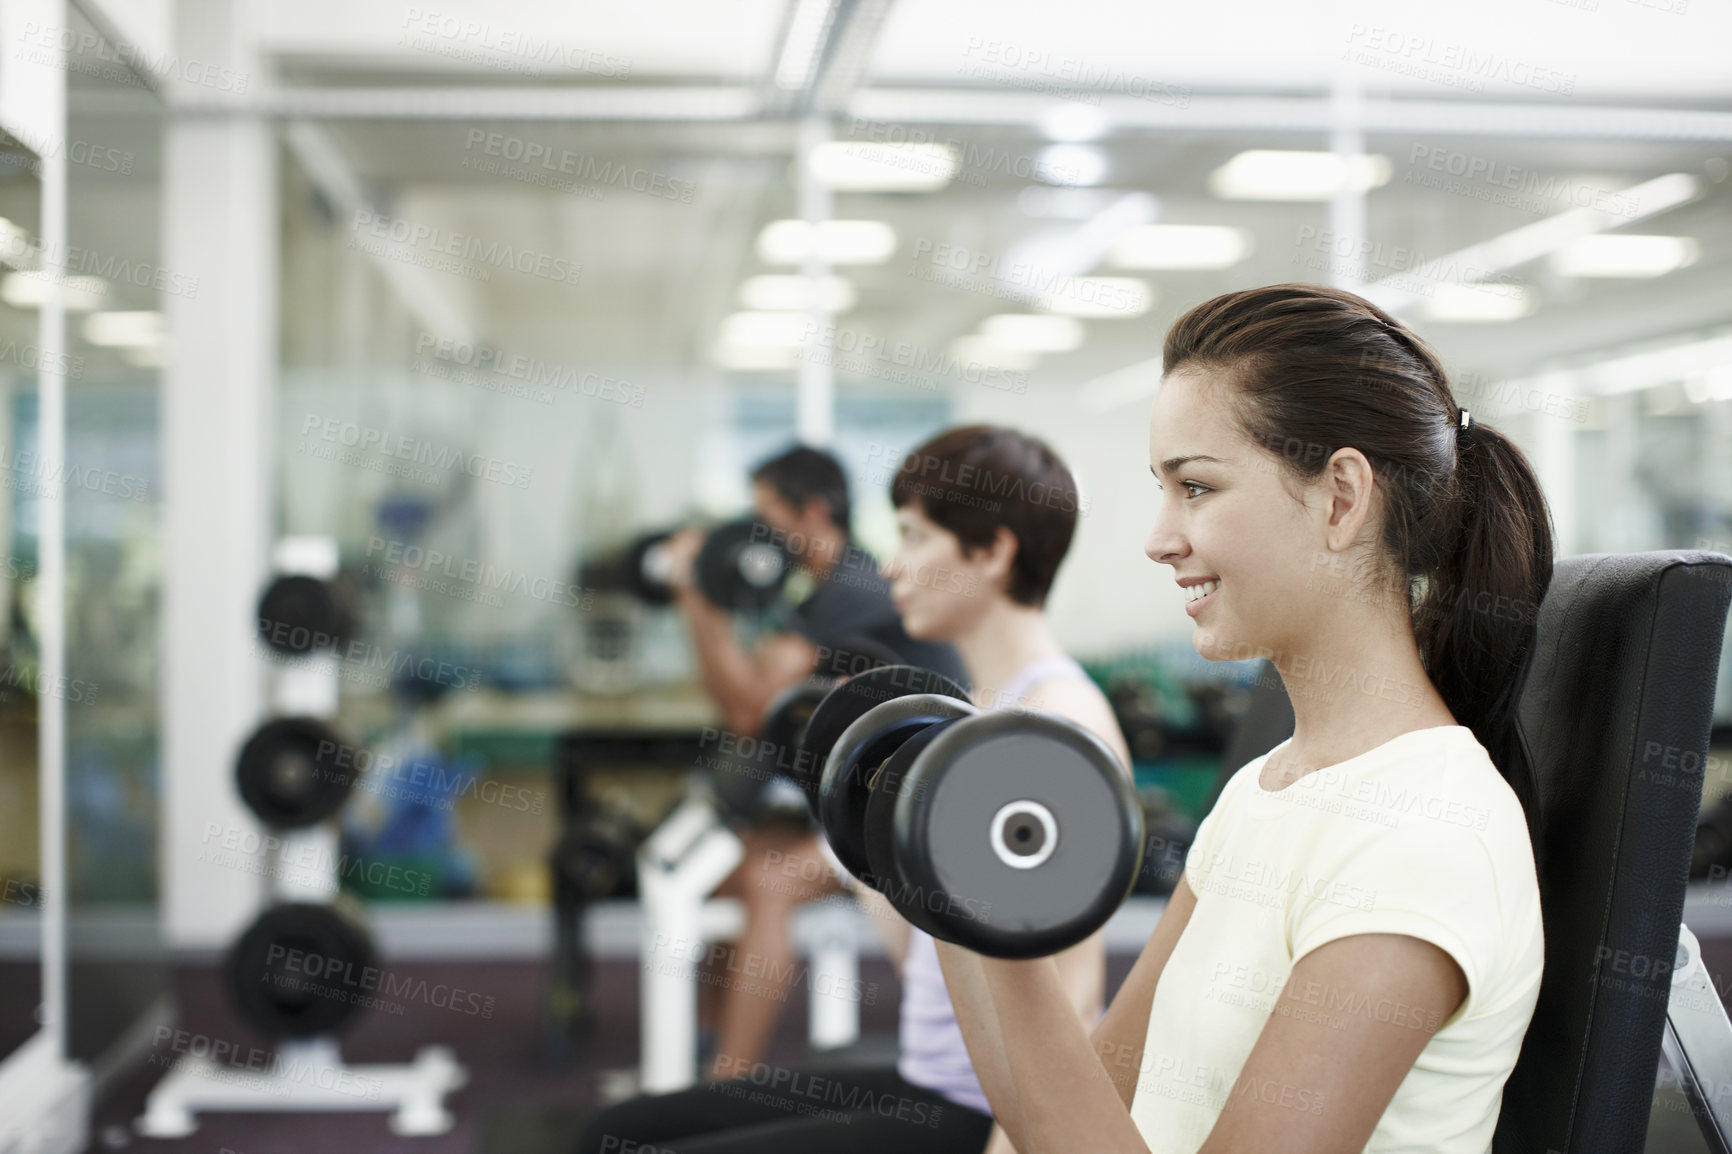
[1173, 464]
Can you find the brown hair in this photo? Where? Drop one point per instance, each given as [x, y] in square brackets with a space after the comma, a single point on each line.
[972, 479]
[1312, 369]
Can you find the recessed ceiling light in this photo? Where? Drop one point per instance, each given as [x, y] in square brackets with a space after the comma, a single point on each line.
[773, 330]
[772, 292]
[1071, 164]
[1075, 123]
[870, 166]
[124, 330]
[1033, 332]
[27, 290]
[839, 241]
[1481, 303]
[1269, 174]
[978, 350]
[1619, 255]
[1181, 246]
[747, 359]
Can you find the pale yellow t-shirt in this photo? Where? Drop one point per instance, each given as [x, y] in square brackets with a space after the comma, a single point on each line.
[1420, 836]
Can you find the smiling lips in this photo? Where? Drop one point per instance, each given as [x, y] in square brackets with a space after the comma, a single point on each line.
[1197, 594]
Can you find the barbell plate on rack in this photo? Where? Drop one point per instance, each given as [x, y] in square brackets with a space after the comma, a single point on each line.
[295, 771]
[302, 969]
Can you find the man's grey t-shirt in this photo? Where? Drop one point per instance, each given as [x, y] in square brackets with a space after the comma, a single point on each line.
[852, 602]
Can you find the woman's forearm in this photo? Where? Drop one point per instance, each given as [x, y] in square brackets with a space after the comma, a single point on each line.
[978, 1018]
[1062, 1103]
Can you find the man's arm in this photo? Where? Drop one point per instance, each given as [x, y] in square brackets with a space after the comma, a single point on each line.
[742, 684]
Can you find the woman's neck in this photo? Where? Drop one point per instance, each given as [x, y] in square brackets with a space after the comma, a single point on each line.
[996, 647]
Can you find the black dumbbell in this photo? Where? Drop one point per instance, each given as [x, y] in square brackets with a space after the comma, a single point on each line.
[741, 567]
[850, 699]
[595, 858]
[1014, 834]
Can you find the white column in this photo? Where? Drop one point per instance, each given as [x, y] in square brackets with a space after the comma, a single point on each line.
[815, 403]
[220, 224]
[1347, 206]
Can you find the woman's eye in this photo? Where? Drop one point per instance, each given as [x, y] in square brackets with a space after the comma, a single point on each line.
[1193, 485]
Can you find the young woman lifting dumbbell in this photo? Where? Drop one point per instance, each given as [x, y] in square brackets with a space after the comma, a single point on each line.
[985, 516]
[1354, 953]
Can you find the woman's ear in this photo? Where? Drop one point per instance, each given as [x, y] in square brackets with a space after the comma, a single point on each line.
[1001, 554]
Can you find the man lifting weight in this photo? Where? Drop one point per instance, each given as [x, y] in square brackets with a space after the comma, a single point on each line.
[835, 604]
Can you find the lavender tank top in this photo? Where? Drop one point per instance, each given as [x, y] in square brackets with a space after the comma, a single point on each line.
[933, 1054]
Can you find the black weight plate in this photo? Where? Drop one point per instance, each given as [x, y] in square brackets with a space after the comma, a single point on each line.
[1004, 769]
[741, 566]
[849, 701]
[301, 969]
[593, 858]
[844, 788]
[646, 569]
[887, 787]
[298, 614]
[295, 772]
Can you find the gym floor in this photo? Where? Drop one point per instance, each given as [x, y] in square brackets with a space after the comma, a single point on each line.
[514, 1102]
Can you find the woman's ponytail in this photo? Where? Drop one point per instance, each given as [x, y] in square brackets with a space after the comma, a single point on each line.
[1476, 614]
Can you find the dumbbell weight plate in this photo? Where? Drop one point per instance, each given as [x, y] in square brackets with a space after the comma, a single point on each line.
[740, 567]
[594, 856]
[1025, 821]
[848, 702]
[646, 568]
[295, 772]
[887, 785]
[301, 969]
[844, 788]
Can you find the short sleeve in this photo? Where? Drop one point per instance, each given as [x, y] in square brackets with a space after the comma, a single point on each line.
[1428, 880]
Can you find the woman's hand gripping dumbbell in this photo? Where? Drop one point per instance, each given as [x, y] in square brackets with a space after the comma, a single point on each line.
[1014, 834]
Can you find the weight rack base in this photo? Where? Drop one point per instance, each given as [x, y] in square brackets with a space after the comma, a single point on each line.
[307, 1077]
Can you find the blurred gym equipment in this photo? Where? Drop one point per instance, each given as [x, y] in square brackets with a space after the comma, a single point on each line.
[740, 567]
[300, 970]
